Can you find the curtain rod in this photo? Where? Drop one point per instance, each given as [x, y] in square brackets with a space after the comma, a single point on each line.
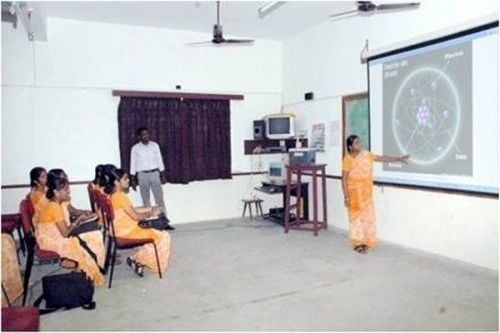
[159, 94]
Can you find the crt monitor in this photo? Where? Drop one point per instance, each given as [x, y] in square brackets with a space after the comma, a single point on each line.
[276, 172]
[280, 126]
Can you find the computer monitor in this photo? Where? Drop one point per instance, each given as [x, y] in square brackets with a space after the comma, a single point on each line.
[280, 126]
[276, 172]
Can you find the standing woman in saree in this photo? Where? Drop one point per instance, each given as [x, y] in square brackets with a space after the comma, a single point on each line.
[357, 184]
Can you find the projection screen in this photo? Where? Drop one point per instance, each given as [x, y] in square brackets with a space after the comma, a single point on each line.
[437, 100]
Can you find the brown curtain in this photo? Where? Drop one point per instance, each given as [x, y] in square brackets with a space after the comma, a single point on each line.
[193, 134]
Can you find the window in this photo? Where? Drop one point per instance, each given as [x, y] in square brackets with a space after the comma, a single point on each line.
[193, 134]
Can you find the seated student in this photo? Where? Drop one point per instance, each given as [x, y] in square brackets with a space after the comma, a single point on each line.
[104, 176]
[96, 183]
[52, 231]
[94, 239]
[126, 226]
[71, 211]
[109, 168]
[12, 283]
[38, 183]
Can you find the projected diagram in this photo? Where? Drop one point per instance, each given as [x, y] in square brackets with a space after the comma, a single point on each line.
[427, 110]
[426, 115]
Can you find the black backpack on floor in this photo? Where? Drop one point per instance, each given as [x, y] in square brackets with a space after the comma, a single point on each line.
[66, 291]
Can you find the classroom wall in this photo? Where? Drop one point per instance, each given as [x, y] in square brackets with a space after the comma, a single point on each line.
[58, 111]
[325, 60]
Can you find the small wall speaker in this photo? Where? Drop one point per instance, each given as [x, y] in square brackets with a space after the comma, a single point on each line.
[259, 129]
[308, 96]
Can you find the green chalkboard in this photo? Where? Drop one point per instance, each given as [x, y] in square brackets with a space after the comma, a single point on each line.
[356, 118]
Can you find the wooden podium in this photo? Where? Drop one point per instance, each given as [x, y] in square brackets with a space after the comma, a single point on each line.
[316, 171]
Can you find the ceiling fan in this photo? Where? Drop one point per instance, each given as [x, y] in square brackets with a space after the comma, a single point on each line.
[217, 37]
[368, 8]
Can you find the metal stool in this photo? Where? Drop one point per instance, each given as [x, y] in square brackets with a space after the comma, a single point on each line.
[248, 203]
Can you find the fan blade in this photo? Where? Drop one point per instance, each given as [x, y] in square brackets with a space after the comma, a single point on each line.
[395, 6]
[344, 13]
[241, 41]
[343, 17]
[208, 42]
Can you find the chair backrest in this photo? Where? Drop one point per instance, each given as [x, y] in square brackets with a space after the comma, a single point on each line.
[104, 204]
[27, 211]
[92, 199]
[19, 318]
[98, 198]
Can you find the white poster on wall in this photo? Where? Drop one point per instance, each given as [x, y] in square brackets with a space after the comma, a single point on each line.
[318, 137]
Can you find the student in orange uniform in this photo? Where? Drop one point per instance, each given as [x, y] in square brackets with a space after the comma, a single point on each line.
[12, 283]
[38, 183]
[94, 239]
[72, 211]
[357, 184]
[126, 225]
[52, 232]
[97, 183]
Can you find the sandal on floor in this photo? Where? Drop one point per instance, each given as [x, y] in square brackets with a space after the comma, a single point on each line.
[358, 248]
[130, 262]
[137, 267]
[361, 249]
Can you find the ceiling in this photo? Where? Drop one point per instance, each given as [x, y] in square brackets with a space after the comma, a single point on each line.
[239, 18]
